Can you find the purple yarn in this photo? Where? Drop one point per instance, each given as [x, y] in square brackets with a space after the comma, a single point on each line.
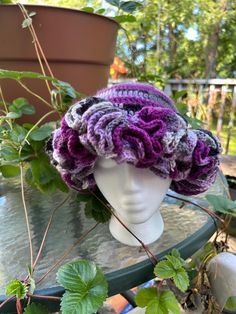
[138, 124]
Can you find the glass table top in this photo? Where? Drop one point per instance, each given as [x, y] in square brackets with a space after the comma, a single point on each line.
[70, 223]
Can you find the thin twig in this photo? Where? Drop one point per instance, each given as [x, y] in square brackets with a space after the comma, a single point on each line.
[46, 231]
[3, 100]
[67, 252]
[48, 297]
[151, 256]
[37, 46]
[34, 94]
[6, 301]
[26, 214]
[33, 127]
[209, 212]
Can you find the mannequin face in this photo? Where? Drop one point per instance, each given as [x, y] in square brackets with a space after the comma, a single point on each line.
[134, 193]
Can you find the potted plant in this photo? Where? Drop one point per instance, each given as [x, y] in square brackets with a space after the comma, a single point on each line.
[78, 45]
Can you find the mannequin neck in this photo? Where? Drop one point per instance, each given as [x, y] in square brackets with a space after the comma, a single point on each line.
[148, 231]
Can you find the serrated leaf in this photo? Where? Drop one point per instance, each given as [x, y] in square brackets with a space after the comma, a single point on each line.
[21, 105]
[88, 9]
[230, 304]
[175, 253]
[124, 18]
[176, 262]
[17, 288]
[18, 133]
[115, 3]
[169, 301]
[9, 171]
[163, 304]
[86, 287]
[222, 204]
[145, 295]
[181, 279]
[42, 132]
[164, 269]
[34, 308]
[130, 6]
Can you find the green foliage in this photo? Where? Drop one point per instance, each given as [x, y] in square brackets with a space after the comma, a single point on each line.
[34, 308]
[230, 304]
[222, 204]
[17, 288]
[145, 295]
[172, 267]
[85, 285]
[95, 206]
[9, 171]
[157, 302]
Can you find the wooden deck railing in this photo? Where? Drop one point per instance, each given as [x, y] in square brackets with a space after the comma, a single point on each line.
[213, 101]
[209, 100]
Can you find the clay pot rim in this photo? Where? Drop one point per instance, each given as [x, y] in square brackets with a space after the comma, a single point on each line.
[50, 7]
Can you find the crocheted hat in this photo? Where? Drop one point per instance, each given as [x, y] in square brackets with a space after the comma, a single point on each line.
[138, 124]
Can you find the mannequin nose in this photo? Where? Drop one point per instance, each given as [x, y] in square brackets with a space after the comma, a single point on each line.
[131, 182]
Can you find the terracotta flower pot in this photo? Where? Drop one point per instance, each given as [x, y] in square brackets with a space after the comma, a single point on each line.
[79, 47]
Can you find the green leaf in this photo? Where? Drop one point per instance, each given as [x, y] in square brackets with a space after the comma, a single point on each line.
[18, 75]
[9, 171]
[13, 115]
[42, 132]
[179, 94]
[22, 106]
[34, 308]
[145, 295]
[169, 301]
[176, 262]
[88, 9]
[230, 304]
[115, 3]
[96, 210]
[18, 133]
[164, 269]
[27, 22]
[181, 279]
[65, 88]
[86, 287]
[17, 288]
[163, 304]
[130, 6]
[175, 253]
[124, 18]
[100, 11]
[84, 197]
[222, 204]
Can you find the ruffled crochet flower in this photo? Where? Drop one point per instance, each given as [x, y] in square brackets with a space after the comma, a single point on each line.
[137, 124]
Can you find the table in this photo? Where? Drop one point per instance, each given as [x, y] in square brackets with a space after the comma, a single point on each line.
[186, 228]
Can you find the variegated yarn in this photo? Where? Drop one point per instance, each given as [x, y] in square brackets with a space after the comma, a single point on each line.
[138, 124]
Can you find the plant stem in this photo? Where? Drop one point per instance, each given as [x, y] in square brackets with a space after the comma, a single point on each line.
[26, 215]
[6, 301]
[209, 212]
[43, 297]
[67, 252]
[150, 255]
[34, 126]
[34, 94]
[37, 46]
[3, 100]
[46, 231]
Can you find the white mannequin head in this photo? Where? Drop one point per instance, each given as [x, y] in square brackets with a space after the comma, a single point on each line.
[135, 194]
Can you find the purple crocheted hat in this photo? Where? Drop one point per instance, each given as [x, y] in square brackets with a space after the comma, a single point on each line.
[138, 124]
